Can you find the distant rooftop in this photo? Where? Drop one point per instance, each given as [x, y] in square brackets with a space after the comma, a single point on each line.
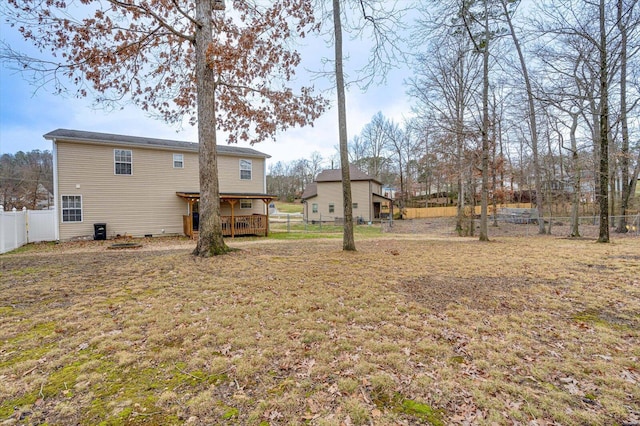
[335, 175]
[81, 136]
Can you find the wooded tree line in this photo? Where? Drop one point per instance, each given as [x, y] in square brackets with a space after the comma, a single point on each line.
[515, 102]
[26, 180]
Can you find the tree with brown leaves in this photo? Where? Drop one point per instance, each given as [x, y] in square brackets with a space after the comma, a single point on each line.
[226, 68]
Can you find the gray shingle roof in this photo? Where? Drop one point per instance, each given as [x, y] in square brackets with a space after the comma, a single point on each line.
[335, 175]
[82, 136]
[311, 190]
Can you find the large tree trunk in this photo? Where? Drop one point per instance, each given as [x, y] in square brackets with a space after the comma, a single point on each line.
[604, 132]
[210, 241]
[348, 241]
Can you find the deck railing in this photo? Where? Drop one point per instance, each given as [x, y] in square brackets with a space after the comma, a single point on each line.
[255, 224]
[244, 225]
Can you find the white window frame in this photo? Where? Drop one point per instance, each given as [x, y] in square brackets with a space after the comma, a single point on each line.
[314, 208]
[244, 203]
[178, 158]
[116, 162]
[63, 209]
[246, 166]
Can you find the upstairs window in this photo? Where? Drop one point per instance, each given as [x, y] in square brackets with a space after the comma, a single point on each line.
[178, 161]
[71, 208]
[123, 163]
[245, 169]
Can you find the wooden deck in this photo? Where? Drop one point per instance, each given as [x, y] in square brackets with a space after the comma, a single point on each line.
[255, 224]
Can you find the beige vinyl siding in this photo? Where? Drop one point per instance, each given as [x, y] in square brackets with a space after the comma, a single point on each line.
[258, 207]
[229, 175]
[230, 182]
[142, 203]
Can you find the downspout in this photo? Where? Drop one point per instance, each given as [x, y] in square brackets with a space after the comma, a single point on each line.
[264, 189]
[56, 199]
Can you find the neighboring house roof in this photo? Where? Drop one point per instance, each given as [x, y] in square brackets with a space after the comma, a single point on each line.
[310, 191]
[335, 175]
[81, 136]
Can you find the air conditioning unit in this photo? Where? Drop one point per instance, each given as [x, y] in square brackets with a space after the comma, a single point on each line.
[218, 4]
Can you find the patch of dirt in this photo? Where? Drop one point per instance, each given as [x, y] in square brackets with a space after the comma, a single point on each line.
[478, 293]
[121, 246]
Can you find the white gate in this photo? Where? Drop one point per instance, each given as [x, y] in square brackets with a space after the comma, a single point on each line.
[41, 225]
[19, 227]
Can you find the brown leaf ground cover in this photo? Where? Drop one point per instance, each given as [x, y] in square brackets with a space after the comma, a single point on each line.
[410, 329]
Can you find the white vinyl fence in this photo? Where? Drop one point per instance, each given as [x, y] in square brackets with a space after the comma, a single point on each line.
[19, 227]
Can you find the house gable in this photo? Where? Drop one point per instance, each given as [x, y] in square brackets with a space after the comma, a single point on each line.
[324, 197]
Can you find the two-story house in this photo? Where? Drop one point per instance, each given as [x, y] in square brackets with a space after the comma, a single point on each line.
[137, 186]
[323, 201]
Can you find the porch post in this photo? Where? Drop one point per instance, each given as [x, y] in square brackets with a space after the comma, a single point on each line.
[266, 230]
[233, 219]
[190, 217]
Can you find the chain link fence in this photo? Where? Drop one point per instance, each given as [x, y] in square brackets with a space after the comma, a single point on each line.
[499, 225]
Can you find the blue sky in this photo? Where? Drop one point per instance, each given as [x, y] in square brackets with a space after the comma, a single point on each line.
[28, 112]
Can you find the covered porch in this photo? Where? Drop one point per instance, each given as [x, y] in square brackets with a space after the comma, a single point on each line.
[382, 207]
[233, 224]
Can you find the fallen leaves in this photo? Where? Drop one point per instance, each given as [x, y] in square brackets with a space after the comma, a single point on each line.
[297, 331]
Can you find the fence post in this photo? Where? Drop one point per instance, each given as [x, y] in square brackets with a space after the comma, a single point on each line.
[26, 224]
[15, 227]
[1, 225]
[288, 222]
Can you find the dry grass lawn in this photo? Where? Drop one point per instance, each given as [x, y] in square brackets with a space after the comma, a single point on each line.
[407, 330]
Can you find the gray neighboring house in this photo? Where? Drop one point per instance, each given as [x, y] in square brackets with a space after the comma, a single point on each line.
[322, 198]
[149, 187]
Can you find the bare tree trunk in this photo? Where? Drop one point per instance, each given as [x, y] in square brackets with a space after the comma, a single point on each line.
[575, 199]
[549, 175]
[460, 182]
[604, 132]
[626, 185]
[494, 174]
[532, 117]
[471, 190]
[210, 241]
[484, 191]
[460, 204]
[634, 177]
[348, 241]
